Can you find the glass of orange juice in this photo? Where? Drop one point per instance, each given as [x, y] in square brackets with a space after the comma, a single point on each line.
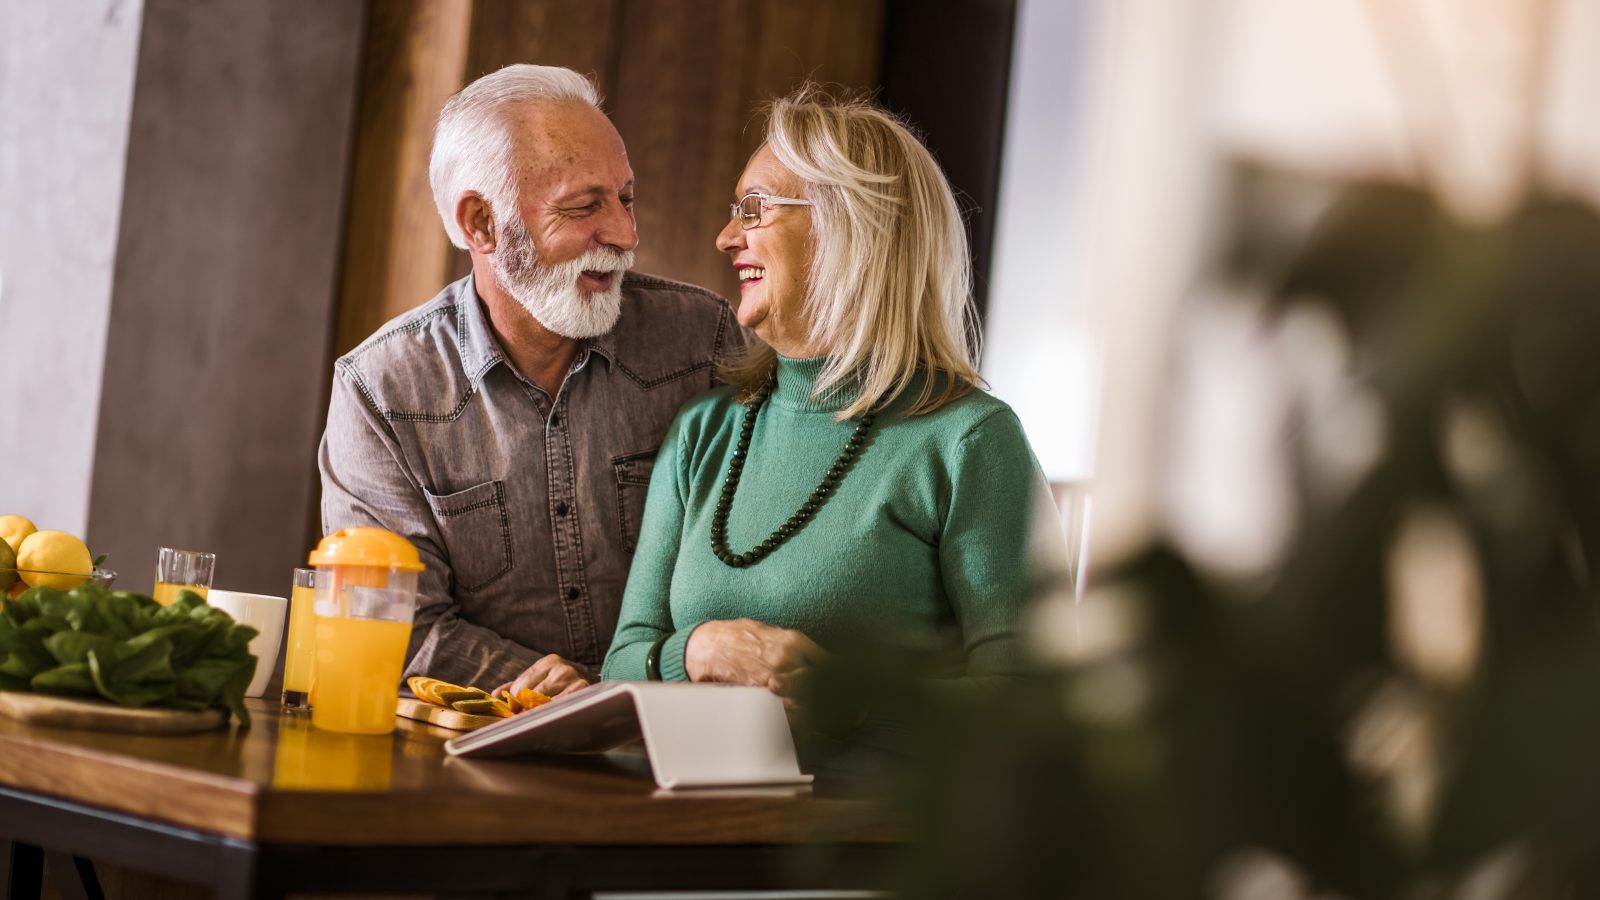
[300, 656]
[183, 570]
[366, 594]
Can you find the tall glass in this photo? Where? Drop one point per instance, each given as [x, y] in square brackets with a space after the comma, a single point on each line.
[183, 570]
[300, 657]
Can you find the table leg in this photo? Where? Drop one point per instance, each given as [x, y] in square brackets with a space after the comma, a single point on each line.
[238, 877]
[21, 870]
[75, 877]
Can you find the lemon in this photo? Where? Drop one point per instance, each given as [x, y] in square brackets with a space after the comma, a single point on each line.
[54, 559]
[13, 529]
[8, 566]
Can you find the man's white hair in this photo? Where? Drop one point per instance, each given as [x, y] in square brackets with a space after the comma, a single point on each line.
[473, 143]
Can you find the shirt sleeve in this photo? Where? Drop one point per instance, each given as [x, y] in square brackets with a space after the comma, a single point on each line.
[646, 615]
[1000, 537]
[366, 481]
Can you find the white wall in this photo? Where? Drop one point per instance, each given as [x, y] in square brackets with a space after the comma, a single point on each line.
[66, 96]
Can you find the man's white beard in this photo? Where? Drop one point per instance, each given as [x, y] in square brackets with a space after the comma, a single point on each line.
[550, 293]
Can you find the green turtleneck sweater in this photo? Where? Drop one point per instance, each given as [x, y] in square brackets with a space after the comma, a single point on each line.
[924, 544]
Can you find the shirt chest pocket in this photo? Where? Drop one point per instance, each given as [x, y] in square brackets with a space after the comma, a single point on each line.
[477, 533]
[633, 484]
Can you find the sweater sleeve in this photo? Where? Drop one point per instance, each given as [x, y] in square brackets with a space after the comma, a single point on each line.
[646, 614]
[999, 536]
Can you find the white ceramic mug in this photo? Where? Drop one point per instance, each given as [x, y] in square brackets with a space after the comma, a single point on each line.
[265, 613]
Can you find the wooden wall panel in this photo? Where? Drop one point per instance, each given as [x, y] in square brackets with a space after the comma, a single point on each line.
[396, 253]
[582, 36]
[681, 114]
[682, 81]
[687, 91]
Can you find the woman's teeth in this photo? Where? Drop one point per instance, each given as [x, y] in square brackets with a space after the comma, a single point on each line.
[751, 273]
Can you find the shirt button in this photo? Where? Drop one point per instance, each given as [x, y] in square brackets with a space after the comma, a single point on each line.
[561, 508]
[555, 419]
[572, 593]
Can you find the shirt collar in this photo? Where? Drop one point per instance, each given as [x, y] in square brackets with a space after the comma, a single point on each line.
[480, 349]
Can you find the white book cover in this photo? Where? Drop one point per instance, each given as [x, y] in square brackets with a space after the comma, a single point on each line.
[696, 735]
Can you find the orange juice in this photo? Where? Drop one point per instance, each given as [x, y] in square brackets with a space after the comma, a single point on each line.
[358, 673]
[167, 592]
[300, 657]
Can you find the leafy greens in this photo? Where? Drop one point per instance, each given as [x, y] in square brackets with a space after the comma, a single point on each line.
[126, 648]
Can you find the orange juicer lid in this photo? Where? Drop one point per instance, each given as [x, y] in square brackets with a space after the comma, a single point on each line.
[366, 547]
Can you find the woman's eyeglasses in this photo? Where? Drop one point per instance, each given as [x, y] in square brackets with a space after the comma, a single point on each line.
[748, 209]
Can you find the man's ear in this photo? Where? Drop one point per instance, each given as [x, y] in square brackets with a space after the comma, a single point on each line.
[476, 221]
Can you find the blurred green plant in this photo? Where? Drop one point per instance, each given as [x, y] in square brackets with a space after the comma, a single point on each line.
[1408, 705]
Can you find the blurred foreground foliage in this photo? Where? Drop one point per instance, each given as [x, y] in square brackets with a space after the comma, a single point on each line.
[1286, 736]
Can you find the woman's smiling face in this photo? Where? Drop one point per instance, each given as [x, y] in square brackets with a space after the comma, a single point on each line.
[773, 260]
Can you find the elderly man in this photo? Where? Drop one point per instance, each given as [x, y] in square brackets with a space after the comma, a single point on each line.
[508, 426]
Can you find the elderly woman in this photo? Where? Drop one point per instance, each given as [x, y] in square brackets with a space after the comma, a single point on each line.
[851, 482]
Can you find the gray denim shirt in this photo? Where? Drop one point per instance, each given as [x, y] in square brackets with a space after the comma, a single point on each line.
[524, 507]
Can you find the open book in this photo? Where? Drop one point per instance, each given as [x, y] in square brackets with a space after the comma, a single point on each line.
[696, 735]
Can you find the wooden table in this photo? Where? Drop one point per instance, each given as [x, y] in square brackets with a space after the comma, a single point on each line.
[284, 807]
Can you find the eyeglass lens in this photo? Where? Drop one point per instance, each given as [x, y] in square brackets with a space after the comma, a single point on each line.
[749, 210]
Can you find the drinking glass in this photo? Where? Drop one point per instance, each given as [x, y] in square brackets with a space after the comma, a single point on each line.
[183, 570]
[300, 659]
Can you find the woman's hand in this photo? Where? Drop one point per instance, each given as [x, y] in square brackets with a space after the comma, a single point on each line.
[551, 676]
[744, 651]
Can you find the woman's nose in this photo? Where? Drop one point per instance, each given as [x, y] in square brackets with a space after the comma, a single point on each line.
[731, 238]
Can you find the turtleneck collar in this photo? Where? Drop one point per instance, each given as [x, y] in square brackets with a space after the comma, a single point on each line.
[797, 378]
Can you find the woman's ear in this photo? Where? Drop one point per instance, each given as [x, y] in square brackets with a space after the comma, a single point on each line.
[476, 221]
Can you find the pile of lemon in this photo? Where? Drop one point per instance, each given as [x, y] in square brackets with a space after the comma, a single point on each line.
[30, 557]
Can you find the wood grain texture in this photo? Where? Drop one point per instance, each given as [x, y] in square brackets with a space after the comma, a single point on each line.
[581, 36]
[688, 91]
[396, 253]
[65, 712]
[286, 782]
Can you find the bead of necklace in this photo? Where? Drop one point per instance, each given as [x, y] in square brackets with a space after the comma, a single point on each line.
[807, 511]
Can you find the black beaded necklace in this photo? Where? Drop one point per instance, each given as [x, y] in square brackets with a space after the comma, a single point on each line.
[806, 512]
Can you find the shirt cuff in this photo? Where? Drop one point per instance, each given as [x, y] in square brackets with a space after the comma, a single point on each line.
[672, 667]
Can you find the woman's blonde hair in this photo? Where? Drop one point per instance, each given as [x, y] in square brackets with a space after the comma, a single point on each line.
[890, 279]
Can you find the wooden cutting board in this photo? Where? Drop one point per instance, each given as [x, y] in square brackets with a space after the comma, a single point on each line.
[442, 716]
[99, 715]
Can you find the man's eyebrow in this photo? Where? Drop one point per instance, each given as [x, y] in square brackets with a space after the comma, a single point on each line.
[593, 190]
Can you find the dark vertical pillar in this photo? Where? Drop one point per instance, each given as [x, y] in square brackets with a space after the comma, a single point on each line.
[225, 282]
[947, 68]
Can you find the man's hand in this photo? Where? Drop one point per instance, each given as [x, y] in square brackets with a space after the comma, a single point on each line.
[744, 651]
[551, 676]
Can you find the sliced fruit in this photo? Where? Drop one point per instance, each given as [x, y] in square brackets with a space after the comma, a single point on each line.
[450, 697]
[479, 707]
[528, 698]
[427, 689]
